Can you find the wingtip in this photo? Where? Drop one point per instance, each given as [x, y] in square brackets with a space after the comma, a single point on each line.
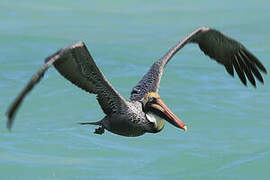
[9, 121]
[9, 124]
[265, 71]
[253, 84]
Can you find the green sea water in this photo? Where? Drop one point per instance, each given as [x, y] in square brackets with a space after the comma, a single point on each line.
[229, 124]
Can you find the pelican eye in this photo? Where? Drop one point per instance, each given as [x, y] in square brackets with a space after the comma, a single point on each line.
[147, 105]
[152, 100]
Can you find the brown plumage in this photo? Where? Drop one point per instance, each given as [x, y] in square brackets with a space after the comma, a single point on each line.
[145, 111]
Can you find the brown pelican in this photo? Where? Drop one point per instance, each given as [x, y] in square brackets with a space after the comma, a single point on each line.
[144, 111]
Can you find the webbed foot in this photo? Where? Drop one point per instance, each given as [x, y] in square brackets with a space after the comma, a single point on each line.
[99, 130]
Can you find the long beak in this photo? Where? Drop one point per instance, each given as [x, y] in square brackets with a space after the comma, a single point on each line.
[169, 115]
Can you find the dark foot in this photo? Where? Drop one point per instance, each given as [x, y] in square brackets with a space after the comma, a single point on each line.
[99, 130]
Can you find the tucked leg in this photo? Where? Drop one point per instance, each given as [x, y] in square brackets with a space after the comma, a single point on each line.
[99, 130]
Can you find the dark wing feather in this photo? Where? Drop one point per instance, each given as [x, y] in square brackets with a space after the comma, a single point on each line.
[239, 70]
[223, 49]
[149, 83]
[79, 67]
[75, 64]
[229, 69]
[251, 66]
[230, 52]
[11, 112]
[151, 80]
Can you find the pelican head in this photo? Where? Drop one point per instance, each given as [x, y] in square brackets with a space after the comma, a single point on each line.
[156, 109]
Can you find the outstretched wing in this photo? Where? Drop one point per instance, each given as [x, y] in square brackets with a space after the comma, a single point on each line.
[230, 53]
[75, 64]
[225, 50]
[149, 83]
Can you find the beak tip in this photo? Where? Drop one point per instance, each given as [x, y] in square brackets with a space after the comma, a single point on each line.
[185, 128]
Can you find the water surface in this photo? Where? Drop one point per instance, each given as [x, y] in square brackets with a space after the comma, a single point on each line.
[228, 137]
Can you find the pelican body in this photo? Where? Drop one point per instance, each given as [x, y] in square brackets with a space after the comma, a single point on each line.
[145, 111]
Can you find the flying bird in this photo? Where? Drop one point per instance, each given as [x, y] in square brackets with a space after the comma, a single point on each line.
[145, 111]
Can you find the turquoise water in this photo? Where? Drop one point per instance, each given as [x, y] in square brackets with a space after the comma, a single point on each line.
[229, 124]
